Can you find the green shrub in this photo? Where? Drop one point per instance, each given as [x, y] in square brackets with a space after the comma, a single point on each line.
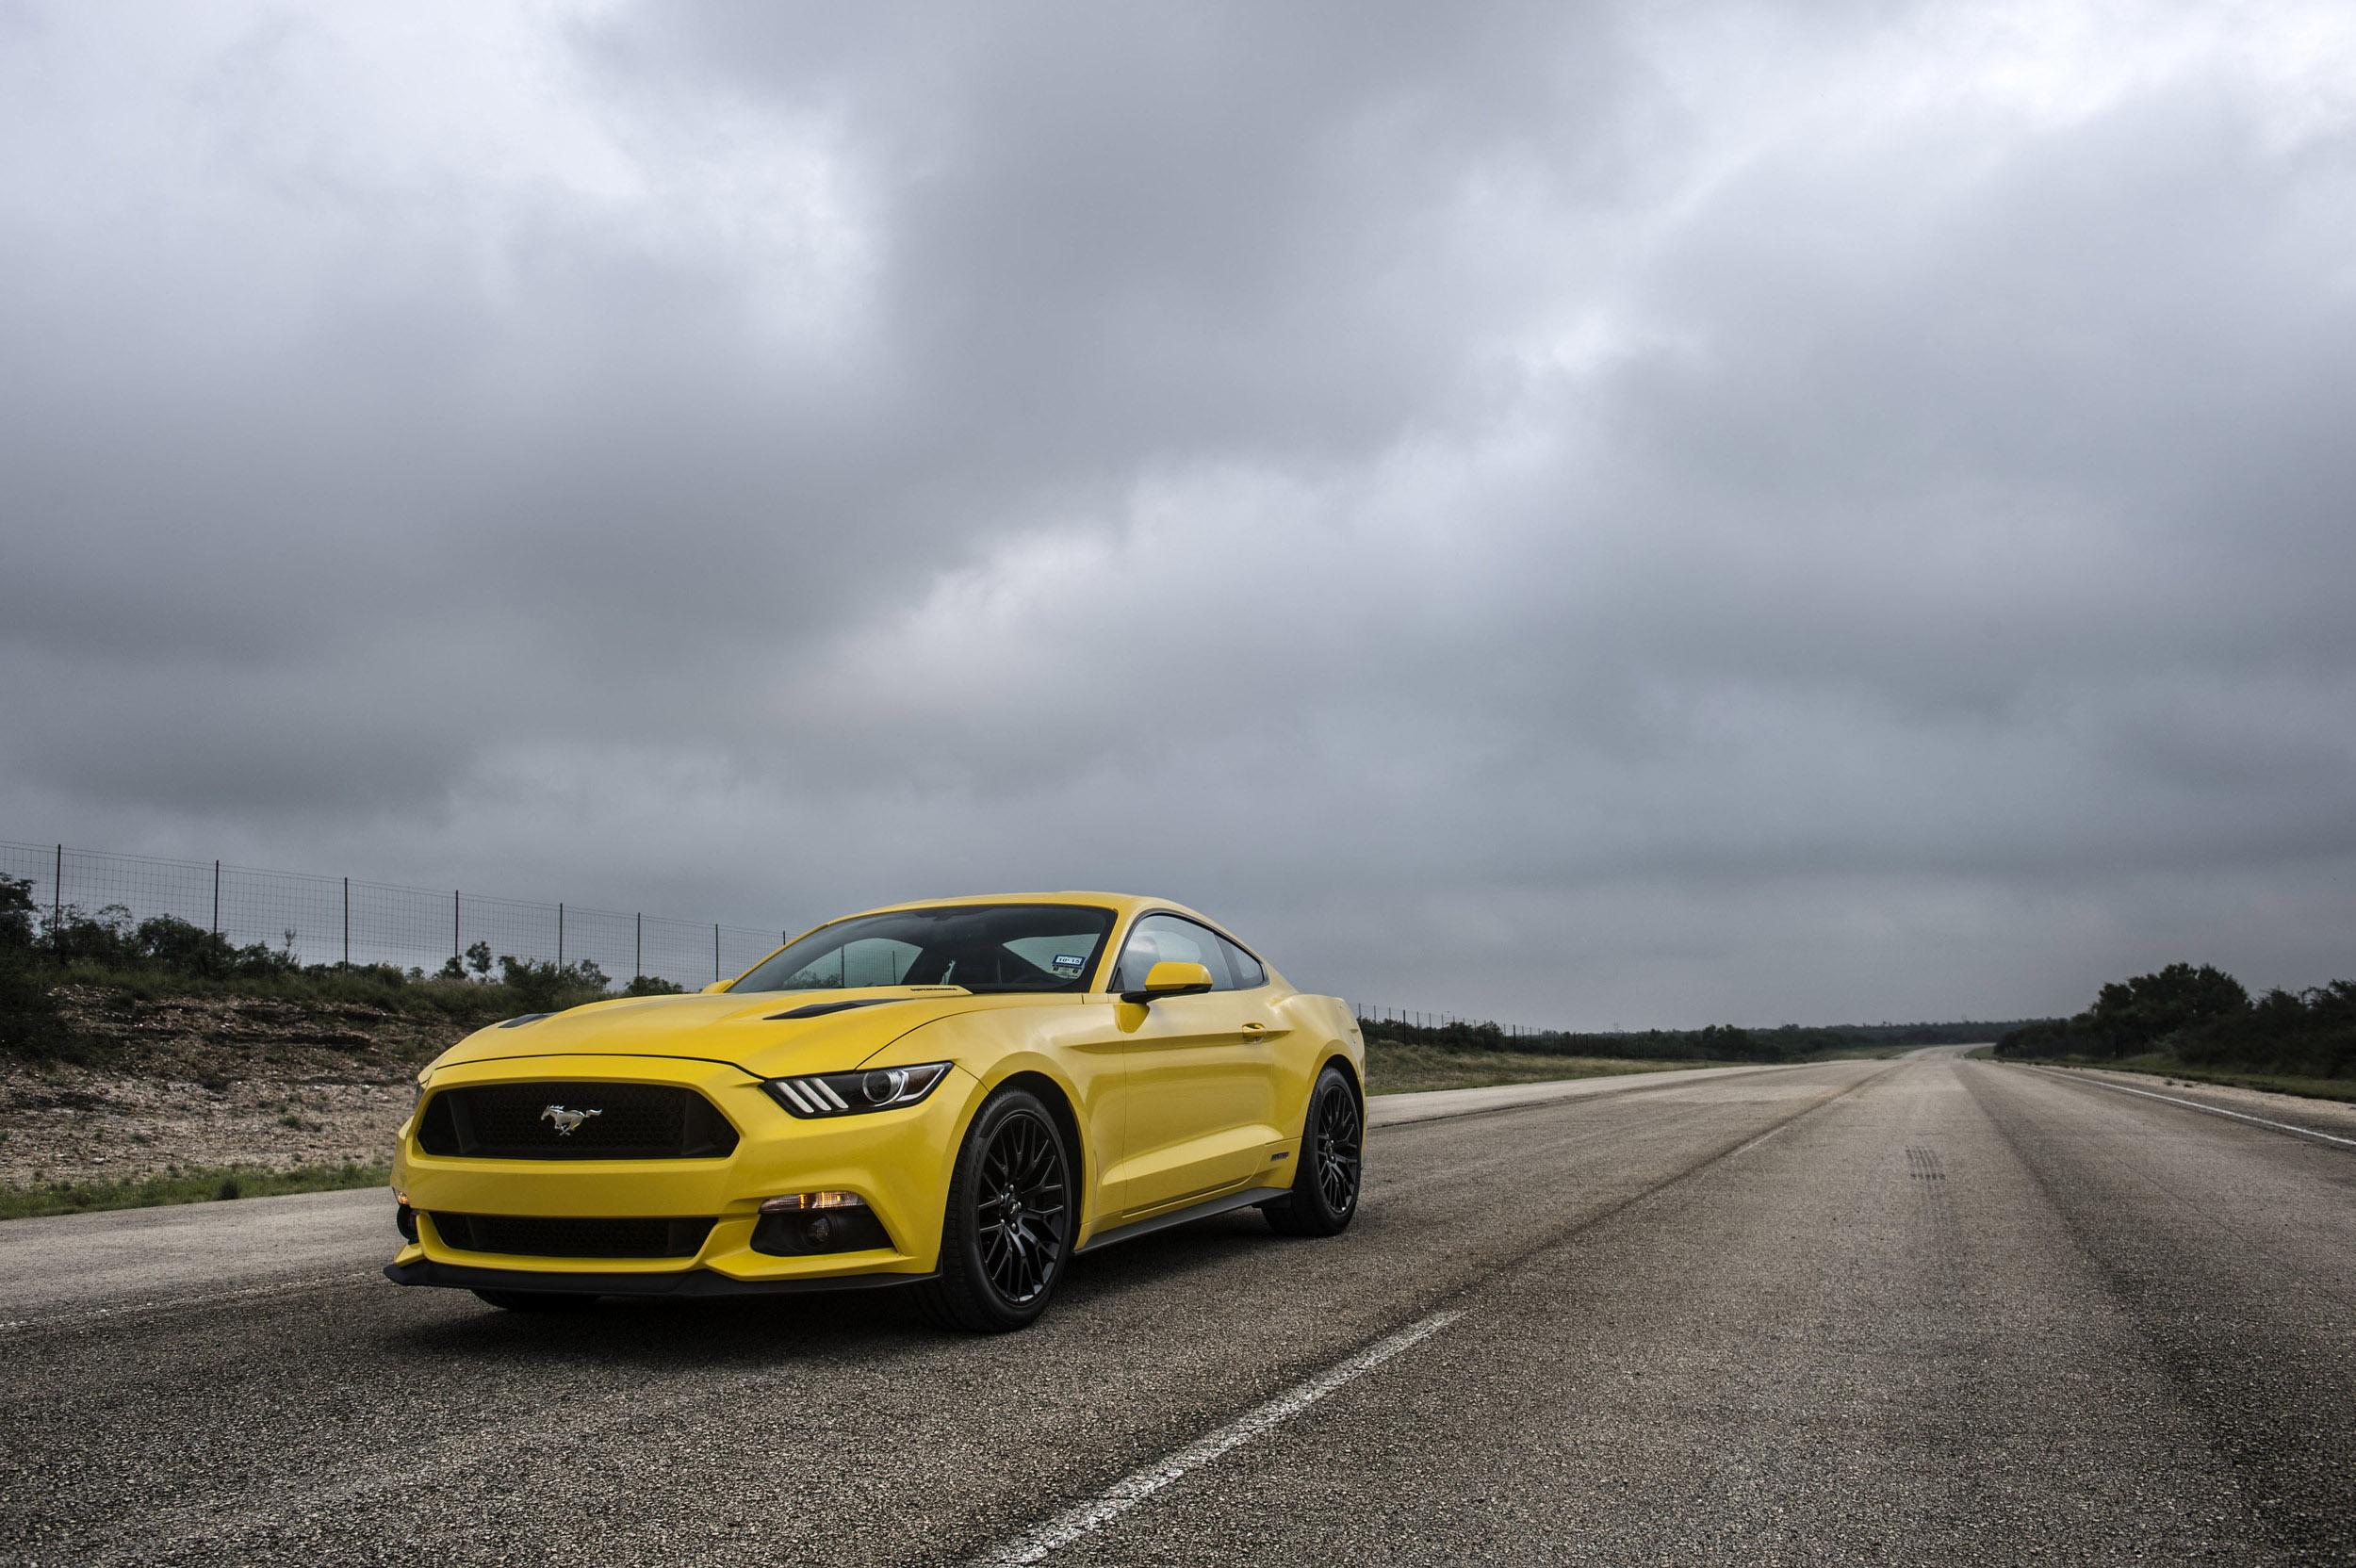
[18, 914]
[541, 987]
[2308, 1033]
[29, 1022]
[2203, 1018]
[205, 1184]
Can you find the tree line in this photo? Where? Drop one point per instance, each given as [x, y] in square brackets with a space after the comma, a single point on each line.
[43, 948]
[2204, 1018]
[1713, 1043]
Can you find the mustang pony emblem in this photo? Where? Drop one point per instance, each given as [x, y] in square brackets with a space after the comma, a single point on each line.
[566, 1120]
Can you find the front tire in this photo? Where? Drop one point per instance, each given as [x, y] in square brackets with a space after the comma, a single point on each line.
[1325, 1183]
[1006, 1237]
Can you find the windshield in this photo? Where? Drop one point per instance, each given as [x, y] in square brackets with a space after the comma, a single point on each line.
[983, 947]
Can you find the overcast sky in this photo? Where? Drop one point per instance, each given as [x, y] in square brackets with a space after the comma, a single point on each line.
[1647, 515]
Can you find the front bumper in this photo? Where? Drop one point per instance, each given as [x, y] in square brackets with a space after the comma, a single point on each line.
[687, 1284]
[898, 1160]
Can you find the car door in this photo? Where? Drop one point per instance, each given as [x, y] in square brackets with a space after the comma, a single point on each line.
[1198, 1086]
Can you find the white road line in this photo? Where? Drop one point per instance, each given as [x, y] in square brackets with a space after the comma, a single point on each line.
[1138, 1485]
[2213, 1110]
[1762, 1138]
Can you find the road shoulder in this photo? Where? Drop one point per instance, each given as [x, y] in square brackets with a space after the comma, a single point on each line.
[2329, 1117]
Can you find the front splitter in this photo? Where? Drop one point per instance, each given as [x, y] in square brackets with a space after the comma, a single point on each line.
[683, 1282]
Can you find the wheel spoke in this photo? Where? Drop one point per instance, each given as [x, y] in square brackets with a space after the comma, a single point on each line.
[1337, 1154]
[1019, 1207]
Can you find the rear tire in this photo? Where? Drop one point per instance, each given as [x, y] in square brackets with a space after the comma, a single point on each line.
[538, 1300]
[1325, 1183]
[1006, 1238]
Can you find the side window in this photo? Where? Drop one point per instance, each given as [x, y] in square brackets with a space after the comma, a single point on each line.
[1248, 974]
[1168, 940]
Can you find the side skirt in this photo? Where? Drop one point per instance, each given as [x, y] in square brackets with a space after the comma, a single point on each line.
[1184, 1217]
[689, 1282]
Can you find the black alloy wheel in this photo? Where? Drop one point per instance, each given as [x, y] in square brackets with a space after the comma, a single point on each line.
[1020, 1207]
[1325, 1186]
[1007, 1235]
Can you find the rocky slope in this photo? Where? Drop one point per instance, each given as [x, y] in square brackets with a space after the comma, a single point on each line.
[186, 1081]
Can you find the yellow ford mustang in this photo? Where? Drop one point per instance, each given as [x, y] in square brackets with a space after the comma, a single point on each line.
[957, 1095]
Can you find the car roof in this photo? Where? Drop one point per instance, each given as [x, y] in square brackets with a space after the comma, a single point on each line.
[1123, 905]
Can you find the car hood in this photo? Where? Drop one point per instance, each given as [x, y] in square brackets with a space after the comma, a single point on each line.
[745, 1030]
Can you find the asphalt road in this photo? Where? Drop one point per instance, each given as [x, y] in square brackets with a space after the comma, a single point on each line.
[1911, 1312]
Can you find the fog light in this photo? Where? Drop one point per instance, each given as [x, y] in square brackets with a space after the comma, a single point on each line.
[801, 1223]
[404, 1217]
[797, 1202]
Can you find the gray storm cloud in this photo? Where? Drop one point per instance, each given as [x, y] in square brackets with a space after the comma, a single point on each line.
[1581, 515]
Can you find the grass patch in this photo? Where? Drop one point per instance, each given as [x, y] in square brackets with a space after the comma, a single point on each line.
[388, 990]
[2342, 1089]
[1395, 1068]
[204, 1185]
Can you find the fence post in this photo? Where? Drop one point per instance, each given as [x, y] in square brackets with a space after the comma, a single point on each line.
[390, 921]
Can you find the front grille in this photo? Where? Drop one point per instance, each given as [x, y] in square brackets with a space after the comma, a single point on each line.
[530, 1235]
[574, 1121]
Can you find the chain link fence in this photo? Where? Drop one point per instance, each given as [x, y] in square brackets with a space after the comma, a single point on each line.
[329, 920]
[1366, 1012]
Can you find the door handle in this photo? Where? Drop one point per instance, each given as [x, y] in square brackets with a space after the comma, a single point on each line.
[1256, 1031]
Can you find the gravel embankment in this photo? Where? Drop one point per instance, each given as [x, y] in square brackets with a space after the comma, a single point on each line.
[212, 1081]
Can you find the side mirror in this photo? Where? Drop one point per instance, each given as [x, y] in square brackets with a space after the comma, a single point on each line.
[1169, 979]
[716, 985]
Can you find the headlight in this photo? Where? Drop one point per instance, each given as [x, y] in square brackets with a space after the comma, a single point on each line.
[881, 1088]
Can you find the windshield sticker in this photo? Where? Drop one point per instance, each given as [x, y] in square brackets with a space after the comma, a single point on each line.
[1065, 964]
